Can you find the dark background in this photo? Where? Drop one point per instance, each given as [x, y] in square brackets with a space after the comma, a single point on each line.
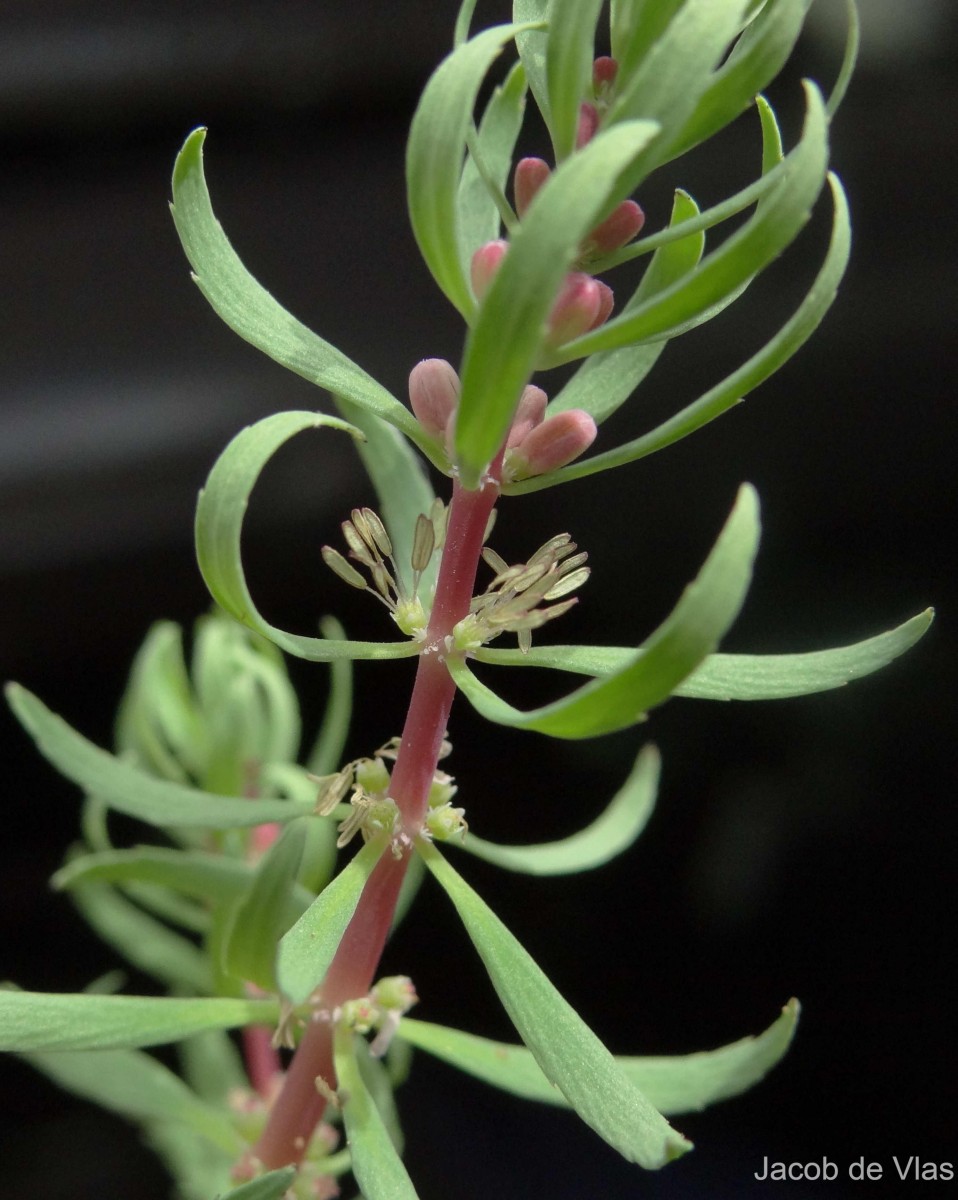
[799, 848]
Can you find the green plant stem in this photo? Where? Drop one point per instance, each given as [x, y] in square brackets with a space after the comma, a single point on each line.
[299, 1106]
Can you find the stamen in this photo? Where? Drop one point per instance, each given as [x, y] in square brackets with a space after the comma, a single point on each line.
[339, 566]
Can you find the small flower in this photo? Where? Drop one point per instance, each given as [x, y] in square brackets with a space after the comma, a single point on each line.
[371, 547]
[511, 601]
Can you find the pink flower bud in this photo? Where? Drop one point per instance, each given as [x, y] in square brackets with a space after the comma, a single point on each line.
[530, 175]
[619, 227]
[485, 263]
[576, 309]
[606, 304]
[529, 413]
[588, 124]
[553, 444]
[604, 71]
[433, 394]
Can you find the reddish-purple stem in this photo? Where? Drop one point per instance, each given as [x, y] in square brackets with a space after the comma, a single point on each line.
[299, 1106]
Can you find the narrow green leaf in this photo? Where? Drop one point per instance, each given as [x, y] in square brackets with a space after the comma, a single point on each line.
[274, 1185]
[480, 215]
[775, 676]
[142, 940]
[139, 1088]
[570, 50]
[740, 676]
[212, 1065]
[612, 832]
[261, 916]
[379, 1085]
[158, 720]
[531, 44]
[564, 1047]
[463, 21]
[676, 259]
[852, 46]
[376, 1165]
[132, 791]
[672, 75]
[706, 609]
[44, 1021]
[251, 311]
[755, 60]
[729, 269]
[729, 207]
[307, 949]
[503, 347]
[212, 878]
[635, 26]
[674, 1085]
[434, 157]
[731, 390]
[219, 524]
[327, 752]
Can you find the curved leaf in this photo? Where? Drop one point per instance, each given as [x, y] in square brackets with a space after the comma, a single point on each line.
[677, 69]
[375, 1163]
[45, 1021]
[562, 1044]
[219, 526]
[434, 157]
[729, 269]
[127, 789]
[612, 832]
[731, 390]
[137, 1087]
[249, 310]
[706, 609]
[674, 1085]
[755, 60]
[740, 676]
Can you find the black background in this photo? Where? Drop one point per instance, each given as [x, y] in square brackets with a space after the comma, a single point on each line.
[799, 848]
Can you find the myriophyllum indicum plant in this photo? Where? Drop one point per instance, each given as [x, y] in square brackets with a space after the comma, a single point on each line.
[264, 905]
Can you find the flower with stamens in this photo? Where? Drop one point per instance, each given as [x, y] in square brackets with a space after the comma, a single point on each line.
[511, 602]
[371, 547]
[374, 813]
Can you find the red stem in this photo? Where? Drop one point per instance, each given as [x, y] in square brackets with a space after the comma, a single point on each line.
[299, 1106]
